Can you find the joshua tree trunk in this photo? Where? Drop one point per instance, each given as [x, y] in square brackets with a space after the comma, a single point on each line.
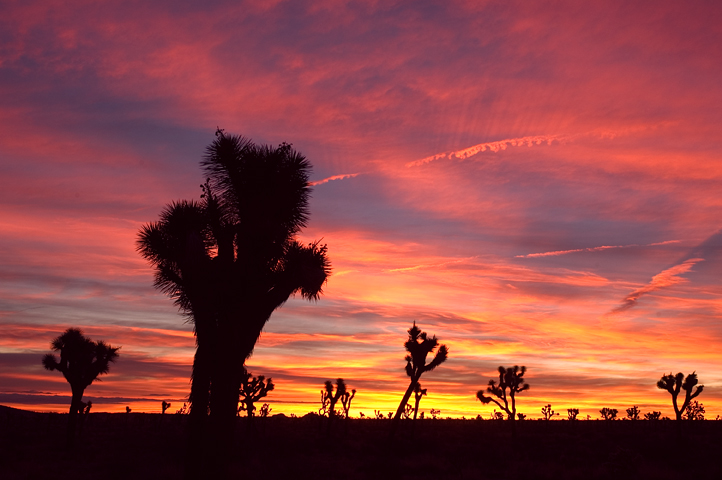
[416, 406]
[75, 405]
[405, 400]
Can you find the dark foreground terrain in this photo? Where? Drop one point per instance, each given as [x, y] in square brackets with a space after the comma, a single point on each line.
[140, 446]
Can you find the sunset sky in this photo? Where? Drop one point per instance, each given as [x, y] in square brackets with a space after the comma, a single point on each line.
[535, 183]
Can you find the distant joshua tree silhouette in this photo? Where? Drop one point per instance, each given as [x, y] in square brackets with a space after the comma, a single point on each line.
[229, 261]
[81, 362]
[653, 415]
[572, 413]
[609, 413]
[329, 399]
[419, 346]
[265, 410]
[674, 384]
[633, 413]
[164, 406]
[694, 411]
[252, 390]
[509, 379]
[547, 412]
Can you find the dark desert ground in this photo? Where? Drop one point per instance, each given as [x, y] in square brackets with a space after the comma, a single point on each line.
[140, 445]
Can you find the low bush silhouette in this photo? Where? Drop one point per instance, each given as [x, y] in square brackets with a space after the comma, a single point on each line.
[694, 411]
[653, 415]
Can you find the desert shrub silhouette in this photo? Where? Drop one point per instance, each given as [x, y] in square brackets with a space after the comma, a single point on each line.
[511, 379]
[654, 415]
[694, 411]
[572, 413]
[252, 389]
[674, 384]
[419, 345]
[81, 362]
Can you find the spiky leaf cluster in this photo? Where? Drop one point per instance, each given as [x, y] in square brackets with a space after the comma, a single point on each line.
[420, 345]
[82, 360]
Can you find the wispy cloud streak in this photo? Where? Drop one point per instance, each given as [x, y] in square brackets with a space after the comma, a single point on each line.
[667, 278]
[592, 249]
[491, 146]
[335, 177]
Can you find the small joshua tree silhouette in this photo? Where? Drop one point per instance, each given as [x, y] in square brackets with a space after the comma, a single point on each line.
[346, 401]
[509, 379]
[633, 413]
[609, 413]
[127, 409]
[694, 411]
[251, 390]
[265, 410]
[653, 415]
[674, 384]
[520, 416]
[82, 361]
[329, 399]
[548, 412]
[572, 414]
[419, 346]
[164, 406]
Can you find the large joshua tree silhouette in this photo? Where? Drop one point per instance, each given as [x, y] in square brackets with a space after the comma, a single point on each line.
[232, 258]
[81, 362]
[510, 379]
[674, 384]
[419, 345]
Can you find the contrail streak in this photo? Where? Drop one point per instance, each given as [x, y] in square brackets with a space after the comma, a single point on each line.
[592, 249]
[531, 141]
[666, 278]
[493, 147]
[335, 177]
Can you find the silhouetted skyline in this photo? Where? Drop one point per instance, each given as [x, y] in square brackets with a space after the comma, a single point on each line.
[536, 186]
